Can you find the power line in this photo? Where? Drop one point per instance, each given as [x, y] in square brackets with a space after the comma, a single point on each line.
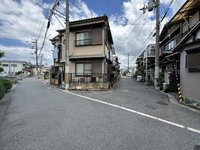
[150, 36]
[48, 23]
[43, 23]
[59, 21]
[166, 11]
[146, 41]
[133, 28]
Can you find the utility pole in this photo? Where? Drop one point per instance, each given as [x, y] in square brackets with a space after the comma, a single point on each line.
[36, 54]
[146, 76]
[157, 45]
[41, 55]
[128, 62]
[151, 5]
[67, 44]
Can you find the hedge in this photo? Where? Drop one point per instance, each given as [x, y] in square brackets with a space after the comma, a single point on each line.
[5, 85]
[2, 90]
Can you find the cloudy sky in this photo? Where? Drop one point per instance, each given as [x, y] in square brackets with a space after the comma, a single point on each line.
[21, 21]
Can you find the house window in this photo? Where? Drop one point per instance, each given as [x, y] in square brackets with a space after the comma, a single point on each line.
[5, 65]
[92, 37]
[83, 38]
[83, 69]
[14, 65]
[170, 45]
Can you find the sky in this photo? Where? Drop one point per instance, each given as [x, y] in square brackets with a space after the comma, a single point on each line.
[22, 21]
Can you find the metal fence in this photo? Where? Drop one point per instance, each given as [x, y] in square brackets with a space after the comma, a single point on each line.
[89, 78]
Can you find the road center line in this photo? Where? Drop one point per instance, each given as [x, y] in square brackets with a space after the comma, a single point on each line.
[136, 112]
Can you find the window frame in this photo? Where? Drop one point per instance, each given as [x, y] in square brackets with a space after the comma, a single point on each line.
[95, 37]
[89, 39]
[84, 69]
[170, 45]
[5, 65]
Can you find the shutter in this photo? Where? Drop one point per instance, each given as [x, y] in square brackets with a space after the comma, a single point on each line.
[97, 68]
[97, 36]
[193, 60]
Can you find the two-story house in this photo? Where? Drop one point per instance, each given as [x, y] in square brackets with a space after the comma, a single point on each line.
[180, 50]
[90, 54]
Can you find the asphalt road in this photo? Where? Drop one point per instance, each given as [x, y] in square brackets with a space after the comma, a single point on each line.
[43, 117]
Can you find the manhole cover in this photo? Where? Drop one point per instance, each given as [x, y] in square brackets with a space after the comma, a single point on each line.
[197, 147]
[161, 103]
[150, 107]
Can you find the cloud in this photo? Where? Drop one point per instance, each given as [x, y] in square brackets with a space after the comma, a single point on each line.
[80, 11]
[27, 19]
[131, 29]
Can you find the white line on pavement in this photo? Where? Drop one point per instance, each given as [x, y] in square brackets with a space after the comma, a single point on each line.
[136, 112]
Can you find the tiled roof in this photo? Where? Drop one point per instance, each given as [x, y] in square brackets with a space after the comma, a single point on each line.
[13, 61]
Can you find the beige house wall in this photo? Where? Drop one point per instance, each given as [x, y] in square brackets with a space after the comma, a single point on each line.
[189, 81]
[85, 50]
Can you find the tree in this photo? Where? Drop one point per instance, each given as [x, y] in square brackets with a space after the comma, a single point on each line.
[1, 55]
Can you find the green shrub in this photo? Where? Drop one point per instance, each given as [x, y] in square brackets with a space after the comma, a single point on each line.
[7, 84]
[1, 69]
[2, 90]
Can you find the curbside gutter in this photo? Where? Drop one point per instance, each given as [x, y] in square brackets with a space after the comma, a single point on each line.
[172, 99]
[5, 101]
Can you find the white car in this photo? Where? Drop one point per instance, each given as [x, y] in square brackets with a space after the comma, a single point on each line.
[139, 78]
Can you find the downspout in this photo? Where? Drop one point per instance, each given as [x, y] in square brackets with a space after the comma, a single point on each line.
[104, 46]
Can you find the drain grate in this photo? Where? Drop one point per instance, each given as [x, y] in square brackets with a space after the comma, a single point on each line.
[161, 103]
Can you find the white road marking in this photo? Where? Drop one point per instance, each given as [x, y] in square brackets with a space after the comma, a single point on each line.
[193, 130]
[136, 112]
[125, 90]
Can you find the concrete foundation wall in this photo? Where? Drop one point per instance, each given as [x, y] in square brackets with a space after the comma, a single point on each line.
[88, 86]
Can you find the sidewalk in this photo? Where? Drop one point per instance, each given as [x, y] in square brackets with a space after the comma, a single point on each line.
[172, 99]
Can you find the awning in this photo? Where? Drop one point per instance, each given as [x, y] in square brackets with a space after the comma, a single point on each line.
[86, 57]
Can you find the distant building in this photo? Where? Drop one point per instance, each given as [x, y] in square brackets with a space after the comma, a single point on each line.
[12, 66]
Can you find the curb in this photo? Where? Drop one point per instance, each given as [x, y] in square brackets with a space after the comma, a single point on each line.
[5, 101]
[172, 99]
